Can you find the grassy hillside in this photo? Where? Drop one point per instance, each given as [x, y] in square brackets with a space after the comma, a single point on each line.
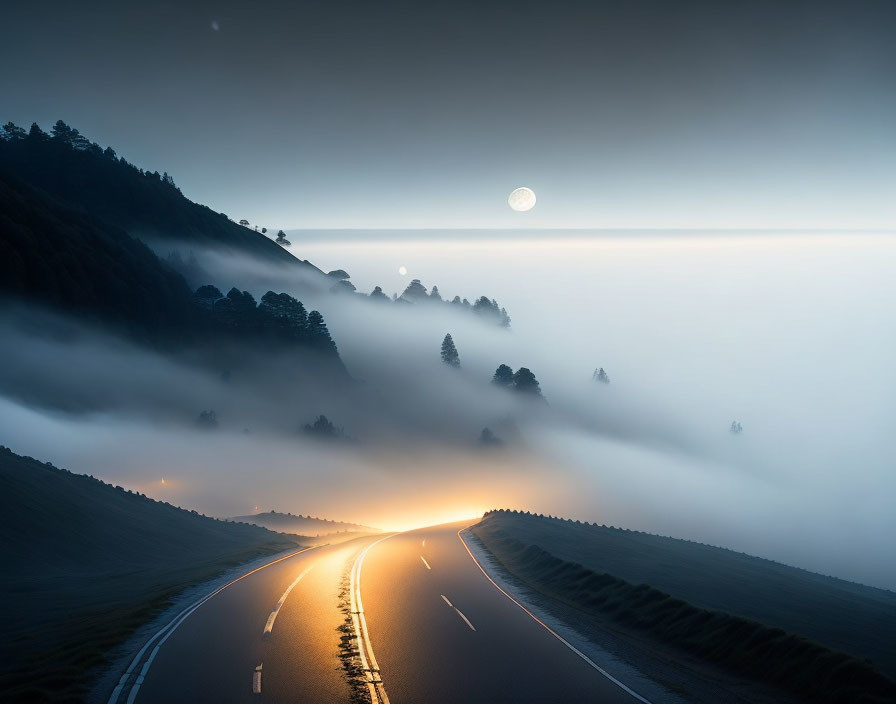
[85, 563]
[302, 525]
[843, 615]
[619, 575]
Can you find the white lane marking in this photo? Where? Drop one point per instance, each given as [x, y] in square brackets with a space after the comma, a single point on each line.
[459, 612]
[368, 660]
[256, 680]
[423, 543]
[550, 630]
[172, 625]
[268, 627]
[466, 620]
[425, 562]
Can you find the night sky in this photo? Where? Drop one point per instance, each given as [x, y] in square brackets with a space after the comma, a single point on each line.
[417, 114]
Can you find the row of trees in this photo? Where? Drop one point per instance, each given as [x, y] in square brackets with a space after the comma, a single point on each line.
[278, 316]
[521, 380]
[484, 307]
[63, 135]
[281, 235]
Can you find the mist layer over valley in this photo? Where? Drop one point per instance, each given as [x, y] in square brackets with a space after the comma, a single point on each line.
[785, 334]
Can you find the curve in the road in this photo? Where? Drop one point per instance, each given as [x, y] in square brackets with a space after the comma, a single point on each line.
[171, 627]
[368, 660]
[550, 630]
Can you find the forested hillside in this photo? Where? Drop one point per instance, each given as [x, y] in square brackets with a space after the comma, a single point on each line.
[83, 175]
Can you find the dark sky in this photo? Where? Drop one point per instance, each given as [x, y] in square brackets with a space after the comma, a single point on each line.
[418, 114]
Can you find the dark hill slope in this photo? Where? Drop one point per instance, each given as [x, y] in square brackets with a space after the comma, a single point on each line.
[85, 563]
[845, 616]
[72, 262]
[302, 525]
[144, 204]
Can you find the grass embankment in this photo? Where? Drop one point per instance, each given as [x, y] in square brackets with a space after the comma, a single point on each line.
[742, 646]
[86, 563]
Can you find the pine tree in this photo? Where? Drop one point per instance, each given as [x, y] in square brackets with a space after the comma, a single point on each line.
[503, 376]
[601, 376]
[318, 334]
[378, 295]
[415, 291]
[449, 352]
[12, 131]
[525, 382]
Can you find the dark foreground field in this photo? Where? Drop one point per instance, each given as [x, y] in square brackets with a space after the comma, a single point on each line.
[85, 563]
[802, 632]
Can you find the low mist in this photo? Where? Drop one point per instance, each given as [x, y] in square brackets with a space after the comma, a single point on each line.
[789, 335]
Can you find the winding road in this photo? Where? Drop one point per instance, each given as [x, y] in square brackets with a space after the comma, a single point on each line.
[408, 618]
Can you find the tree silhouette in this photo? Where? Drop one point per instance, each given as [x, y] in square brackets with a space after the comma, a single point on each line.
[415, 291]
[449, 352]
[488, 439]
[378, 295]
[318, 334]
[601, 376]
[525, 382]
[503, 376]
[13, 132]
[281, 239]
[207, 420]
[434, 294]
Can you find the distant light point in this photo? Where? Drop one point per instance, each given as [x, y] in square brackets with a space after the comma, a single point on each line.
[403, 270]
[521, 199]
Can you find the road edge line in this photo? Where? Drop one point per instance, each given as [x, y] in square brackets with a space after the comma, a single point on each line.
[173, 624]
[550, 630]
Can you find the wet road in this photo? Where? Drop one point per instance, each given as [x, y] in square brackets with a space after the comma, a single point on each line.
[440, 630]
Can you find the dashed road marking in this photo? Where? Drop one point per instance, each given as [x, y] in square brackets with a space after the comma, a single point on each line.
[459, 612]
[170, 627]
[268, 627]
[425, 562]
[256, 680]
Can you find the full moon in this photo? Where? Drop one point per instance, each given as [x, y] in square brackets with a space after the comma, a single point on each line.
[522, 199]
[402, 271]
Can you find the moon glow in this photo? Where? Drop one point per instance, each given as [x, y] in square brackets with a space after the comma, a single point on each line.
[521, 199]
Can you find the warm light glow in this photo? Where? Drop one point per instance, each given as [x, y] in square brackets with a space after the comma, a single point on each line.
[403, 271]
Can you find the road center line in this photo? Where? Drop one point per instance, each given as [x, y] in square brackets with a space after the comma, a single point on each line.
[369, 665]
[268, 627]
[466, 620]
[459, 612]
[172, 625]
[425, 562]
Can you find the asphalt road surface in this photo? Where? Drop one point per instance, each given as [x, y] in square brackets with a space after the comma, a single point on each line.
[439, 631]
